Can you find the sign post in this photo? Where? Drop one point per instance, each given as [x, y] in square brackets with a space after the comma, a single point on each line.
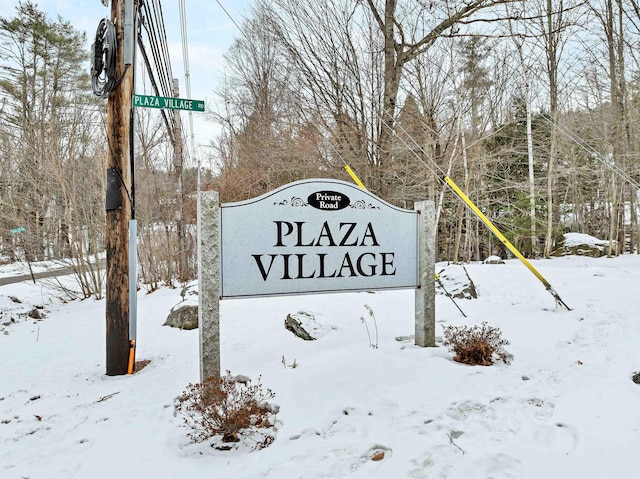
[425, 292]
[209, 284]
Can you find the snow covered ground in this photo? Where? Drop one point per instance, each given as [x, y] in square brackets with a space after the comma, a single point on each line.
[566, 407]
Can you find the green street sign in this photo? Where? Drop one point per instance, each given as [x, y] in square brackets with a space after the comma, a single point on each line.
[146, 101]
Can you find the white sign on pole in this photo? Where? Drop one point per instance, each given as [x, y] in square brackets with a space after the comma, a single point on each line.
[316, 236]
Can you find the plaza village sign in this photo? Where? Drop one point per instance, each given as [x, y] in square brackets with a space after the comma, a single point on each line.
[310, 236]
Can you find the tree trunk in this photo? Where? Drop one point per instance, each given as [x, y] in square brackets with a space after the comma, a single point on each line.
[615, 50]
[551, 36]
[532, 186]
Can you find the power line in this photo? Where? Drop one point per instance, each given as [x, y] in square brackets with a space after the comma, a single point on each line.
[154, 86]
[153, 22]
[591, 151]
[229, 16]
[187, 79]
[156, 60]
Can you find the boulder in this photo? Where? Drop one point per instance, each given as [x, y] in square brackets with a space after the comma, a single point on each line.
[493, 260]
[183, 316]
[469, 291]
[295, 326]
[580, 244]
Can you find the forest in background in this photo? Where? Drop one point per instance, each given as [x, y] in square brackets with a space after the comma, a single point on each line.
[531, 107]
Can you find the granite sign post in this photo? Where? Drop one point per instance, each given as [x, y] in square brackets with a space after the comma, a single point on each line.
[311, 236]
[426, 291]
[209, 284]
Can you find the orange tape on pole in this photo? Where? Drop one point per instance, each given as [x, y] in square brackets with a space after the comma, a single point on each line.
[132, 356]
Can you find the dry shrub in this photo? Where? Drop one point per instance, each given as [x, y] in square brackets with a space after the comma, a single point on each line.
[229, 407]
[476, 345]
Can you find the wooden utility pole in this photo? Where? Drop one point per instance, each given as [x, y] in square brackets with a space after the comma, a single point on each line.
[118, 205]
[178, 162]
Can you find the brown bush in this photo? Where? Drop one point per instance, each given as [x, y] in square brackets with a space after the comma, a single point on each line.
[229, 407]
[476, 345]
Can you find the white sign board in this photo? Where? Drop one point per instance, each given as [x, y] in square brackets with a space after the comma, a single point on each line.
[316, 236]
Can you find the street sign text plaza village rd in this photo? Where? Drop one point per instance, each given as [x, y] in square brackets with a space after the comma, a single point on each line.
[170, 103]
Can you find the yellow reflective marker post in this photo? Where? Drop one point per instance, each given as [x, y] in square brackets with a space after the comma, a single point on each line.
[504, 240]
[355, 178]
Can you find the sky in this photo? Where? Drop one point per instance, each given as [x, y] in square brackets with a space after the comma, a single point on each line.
[210, 33]
[563, 407]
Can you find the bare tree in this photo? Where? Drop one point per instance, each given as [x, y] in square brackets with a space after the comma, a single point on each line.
[51, 144]
[409, 32]
[332, 47]
[41, 82]
[611, 18]
[270, 136]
